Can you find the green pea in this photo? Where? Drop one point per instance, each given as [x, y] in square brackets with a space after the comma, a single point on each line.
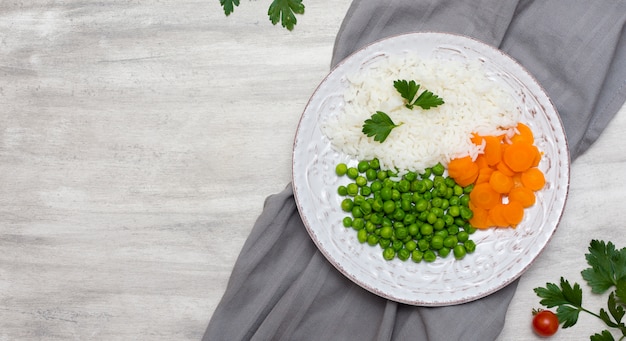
[376, 186]
[413, 229]
[374, 164]
[443, 252]
[352, 173]
[382, 175]
[470, 246]
[453, 230]
[365, 207]
[423, 245]
[377, 205]
[389, 253]
[361, 236]
[429, 256]
[342, 190]
[427, 173]
[370, 227]
[361, 181]
[384, 243]
[454, 211]
[365, 191]
[428, 184]
[359, 199]
[386, 232]
[450, 241]
[468, 189]
[459, 251]
[395, 195]
[462, 236]
[356, 212]
[426, 229]
[417, 256]
[363, 166]
[341, 169]
[421, 205]
[410, 245]
[401, 233]
[431, 218]
[439, 224]
[466, 213]
[347, 205]
[389, 206]
[436, 242]
[399, 214]
[371, 174]
[458, 190]
[347, 221]
[397, 244]
[385, 193]
[438, 169]
[403, 254]
[409, 219]
[358, 223]
[464, 200]
[372, 239]
[454, 201]
[404, 186]
[352, 189]
[410, 176]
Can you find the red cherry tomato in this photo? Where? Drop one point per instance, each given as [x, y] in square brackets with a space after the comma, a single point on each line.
[545, 323]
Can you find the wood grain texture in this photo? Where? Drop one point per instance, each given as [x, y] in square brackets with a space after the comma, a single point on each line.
[138, 141]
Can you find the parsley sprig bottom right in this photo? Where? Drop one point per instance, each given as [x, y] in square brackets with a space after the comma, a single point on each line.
[607, 272]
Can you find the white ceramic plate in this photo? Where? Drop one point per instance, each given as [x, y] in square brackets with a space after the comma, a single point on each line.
[501, 256]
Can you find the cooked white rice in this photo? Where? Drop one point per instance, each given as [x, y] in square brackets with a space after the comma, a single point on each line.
[473, 103]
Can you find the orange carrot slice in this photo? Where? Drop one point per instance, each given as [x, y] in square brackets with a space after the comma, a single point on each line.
[522, 195]
[520, 156]
[533, 179]
[501, 182]
[513, 213]
[484, 196]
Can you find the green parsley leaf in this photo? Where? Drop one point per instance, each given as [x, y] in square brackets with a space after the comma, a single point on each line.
[608, 266]
[616, 310]
[428, 100]
[379, 126]
[285, 11]
[620, 291]
[567, 298]
[229, 6]
[605, 336]
[408, 90]
[567, 315]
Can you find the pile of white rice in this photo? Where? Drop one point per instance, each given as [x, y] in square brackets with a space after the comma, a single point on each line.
[473, 103]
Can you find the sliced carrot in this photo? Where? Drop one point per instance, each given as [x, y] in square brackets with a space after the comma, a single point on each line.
[525, 134]
[484, 196]
[520, 156]
[502, 167]
[481, 161]
[480, 218]
[476, 139]
[493, 149]
[533, 179]
[497, 215]
[522, 195]
[463, 170]
[484, 174]
[513, 213]
[500, 182]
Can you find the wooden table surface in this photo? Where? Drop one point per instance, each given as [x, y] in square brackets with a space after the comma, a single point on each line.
[138, 141]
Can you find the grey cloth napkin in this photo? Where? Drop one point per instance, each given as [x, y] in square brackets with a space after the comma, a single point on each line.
[282, 287]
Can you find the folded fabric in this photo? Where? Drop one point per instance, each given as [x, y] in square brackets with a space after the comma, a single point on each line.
[282, 287]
